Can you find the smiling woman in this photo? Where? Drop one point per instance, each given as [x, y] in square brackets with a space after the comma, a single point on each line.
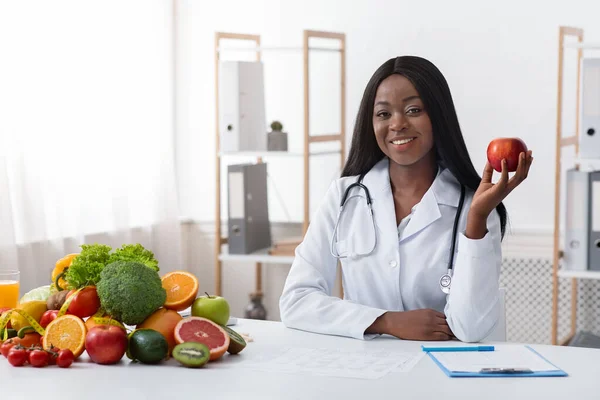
[433, 273]
[86, 151]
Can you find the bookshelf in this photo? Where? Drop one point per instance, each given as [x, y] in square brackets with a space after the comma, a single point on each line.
[578, 163]
[280, 253]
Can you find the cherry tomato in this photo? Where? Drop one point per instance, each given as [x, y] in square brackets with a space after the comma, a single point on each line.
[17, 356]
[65, 358]
[48, 317]
[38, 358]
[6, 346]
[85, 303]
[52, 355]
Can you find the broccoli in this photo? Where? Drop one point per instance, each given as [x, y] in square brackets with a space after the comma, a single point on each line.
[129, 291]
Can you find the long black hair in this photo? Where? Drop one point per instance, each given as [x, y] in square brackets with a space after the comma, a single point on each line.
[434, 92]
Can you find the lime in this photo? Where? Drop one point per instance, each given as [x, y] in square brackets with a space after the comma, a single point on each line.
[40, 294]
[148, 346]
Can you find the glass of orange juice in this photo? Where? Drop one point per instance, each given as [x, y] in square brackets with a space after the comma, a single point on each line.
[9, 288]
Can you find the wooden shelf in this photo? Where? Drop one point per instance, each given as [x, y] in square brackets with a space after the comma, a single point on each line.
[583, 45]
[261, 256]
[278, 49]
[266, 154]
[254, 46]
[579, 274]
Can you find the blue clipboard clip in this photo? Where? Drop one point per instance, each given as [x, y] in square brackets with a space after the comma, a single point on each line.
[457, 348]
[506, 371]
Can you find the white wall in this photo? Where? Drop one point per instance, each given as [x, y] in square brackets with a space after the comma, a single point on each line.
[500, 59]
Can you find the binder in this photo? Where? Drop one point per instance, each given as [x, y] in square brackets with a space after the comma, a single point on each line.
[576, 254]
[589, 137]
[506, 361]
[582, 234]
[594, 222]
[242, 120]
[248, 208]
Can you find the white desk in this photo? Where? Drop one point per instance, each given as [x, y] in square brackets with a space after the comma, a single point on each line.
[226, 380]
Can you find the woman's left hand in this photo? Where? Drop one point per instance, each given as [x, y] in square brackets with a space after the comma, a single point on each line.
[489, 195]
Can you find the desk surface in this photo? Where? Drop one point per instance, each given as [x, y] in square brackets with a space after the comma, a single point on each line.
[226, 379]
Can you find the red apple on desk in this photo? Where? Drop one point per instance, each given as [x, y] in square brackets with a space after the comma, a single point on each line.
[106, 344]
[505, 148]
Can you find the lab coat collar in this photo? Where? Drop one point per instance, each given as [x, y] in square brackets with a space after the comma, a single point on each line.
[444, 190]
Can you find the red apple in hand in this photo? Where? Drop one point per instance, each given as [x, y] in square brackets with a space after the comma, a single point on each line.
[508, 149]
[106, 344]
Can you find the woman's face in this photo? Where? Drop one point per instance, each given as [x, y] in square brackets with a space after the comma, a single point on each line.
[401, 124]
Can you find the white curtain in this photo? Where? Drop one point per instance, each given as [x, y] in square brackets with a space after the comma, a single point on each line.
[86, 131]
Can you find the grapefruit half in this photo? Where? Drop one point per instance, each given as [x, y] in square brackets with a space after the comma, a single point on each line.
[202, 330]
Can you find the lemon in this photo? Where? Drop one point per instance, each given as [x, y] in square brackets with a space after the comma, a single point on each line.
[41, 293]
[35, 309]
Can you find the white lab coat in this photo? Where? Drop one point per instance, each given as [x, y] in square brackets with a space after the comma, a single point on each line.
[404, 270]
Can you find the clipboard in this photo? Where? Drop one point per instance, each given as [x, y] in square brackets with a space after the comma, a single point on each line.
[528, 363]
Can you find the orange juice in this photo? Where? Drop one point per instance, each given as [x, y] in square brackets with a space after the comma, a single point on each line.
[9, 293]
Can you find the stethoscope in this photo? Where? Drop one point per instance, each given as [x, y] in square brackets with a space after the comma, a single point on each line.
[446, 279]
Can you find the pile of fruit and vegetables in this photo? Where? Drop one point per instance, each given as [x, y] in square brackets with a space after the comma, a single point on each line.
[114, 303]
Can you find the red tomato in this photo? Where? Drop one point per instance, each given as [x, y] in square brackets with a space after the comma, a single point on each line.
[85, 303]
[65, 358]
[38, 358]
[6, 346]
[17, 357]
[48, 317]
[52, 356]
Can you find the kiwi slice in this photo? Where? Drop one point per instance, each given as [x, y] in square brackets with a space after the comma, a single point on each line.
[236, 342]
[191, 354]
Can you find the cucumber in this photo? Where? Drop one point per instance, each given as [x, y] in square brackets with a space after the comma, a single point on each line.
[11, 333]
[25, 330]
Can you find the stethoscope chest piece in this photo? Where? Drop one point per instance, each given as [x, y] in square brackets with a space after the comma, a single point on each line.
[445, 282]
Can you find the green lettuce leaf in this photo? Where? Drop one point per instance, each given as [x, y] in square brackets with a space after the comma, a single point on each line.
[86, 267]
[134, 252]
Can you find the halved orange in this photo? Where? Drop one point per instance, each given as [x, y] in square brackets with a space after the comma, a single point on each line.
[182, 289]
[66, 332]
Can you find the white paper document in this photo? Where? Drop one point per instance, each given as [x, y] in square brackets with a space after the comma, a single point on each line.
[362, 364]
[508, 356]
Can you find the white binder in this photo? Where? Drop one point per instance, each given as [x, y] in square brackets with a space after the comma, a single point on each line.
[242, 120]
[577, 221]
[589, 135]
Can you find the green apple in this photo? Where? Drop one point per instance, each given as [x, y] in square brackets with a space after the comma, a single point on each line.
[214, 308]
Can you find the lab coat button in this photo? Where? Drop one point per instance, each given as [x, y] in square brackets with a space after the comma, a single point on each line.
[393, 263]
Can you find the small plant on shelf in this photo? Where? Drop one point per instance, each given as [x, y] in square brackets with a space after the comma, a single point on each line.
[276, 126]
[277, 139]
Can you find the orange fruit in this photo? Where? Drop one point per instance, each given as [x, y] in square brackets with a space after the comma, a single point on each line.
[66, 332]
[182, 288]
[164, 321]
[202, 330]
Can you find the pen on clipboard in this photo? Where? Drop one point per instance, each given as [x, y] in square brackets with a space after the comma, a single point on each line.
[457, 348]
